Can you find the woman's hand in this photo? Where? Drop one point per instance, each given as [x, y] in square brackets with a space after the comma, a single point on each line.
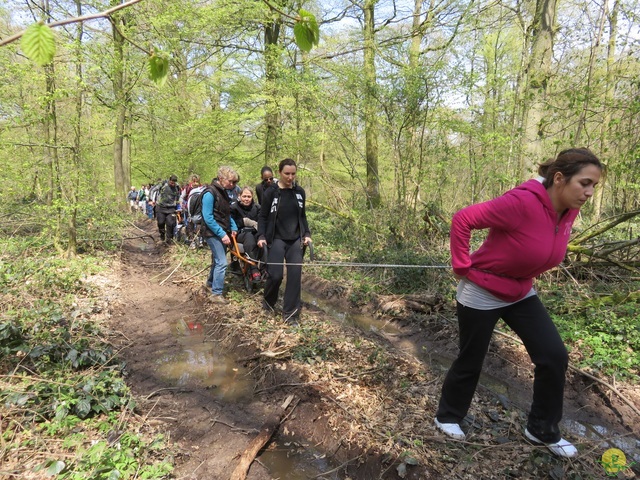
[261, 243]
[306, 241]
[226, 240]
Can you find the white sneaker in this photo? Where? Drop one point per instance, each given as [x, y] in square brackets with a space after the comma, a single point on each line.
[452, 430]
[561, 448]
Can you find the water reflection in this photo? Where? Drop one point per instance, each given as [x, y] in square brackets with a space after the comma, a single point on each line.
[599, 435]
[364, 322]
[200, 364]
[292, 461]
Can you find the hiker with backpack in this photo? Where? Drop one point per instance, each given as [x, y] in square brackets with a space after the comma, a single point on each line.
[142, 199]
[154, 191]
[166, 204]
[217, 226]
[132, 197]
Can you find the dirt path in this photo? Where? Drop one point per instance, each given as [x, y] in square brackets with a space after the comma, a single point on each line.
[362, 400]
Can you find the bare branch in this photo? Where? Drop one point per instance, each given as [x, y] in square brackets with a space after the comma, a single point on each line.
[84, 18]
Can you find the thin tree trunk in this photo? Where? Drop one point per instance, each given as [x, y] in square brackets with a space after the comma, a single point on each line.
[272, 116]
[77, 141]
[370, 107]
[119, 172]
[51, 141]
[595, 48]
[608, 101]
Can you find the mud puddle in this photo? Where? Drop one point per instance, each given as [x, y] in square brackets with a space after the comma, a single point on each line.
[201, 364]
[363, 322]
[294, 460]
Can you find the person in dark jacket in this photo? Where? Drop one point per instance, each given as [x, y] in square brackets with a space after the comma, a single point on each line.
[267, 180]
[282, 225]
[218, 226]
[166, 203]
[245, 213]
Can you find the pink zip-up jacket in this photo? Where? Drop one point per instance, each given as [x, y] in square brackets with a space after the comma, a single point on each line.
[525, 239]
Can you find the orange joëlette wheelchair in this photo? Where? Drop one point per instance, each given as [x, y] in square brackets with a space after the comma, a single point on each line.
[245, 262]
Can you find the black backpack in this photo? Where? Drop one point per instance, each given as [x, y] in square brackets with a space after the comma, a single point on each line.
[194, 203]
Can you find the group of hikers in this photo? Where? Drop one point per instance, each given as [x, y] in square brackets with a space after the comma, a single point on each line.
[529, 229]
[217, 211]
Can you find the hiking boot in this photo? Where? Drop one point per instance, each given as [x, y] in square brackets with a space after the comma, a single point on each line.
[292, 318]
[266, 307]
[561, 448]
[451, 430]
[255, 277]
[217, 298]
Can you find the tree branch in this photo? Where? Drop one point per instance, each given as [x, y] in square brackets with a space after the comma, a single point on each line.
[68, 21]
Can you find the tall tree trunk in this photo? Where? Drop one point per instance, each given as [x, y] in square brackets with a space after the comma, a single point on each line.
[593, 54]
[608, 101]
[74, 175]
[408, 144]
[370, 107]
[538, 74]
[119, 171]
[54, 196]
[272, 115]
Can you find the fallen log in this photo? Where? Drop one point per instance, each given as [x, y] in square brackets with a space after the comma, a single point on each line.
[266, 432]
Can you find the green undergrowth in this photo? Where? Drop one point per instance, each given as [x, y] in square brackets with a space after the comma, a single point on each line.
[393, 257]
[600, 323]
[66, 409]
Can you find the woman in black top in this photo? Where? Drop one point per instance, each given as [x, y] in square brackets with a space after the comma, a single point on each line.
[282, 224]
[245, 214]
[266, 177]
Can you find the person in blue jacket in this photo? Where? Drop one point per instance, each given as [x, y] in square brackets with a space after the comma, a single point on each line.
[218, 227]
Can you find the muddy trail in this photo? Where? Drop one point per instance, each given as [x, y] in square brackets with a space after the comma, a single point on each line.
[347, 394]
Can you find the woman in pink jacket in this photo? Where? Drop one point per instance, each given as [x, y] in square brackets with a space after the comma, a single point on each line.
[529, 229]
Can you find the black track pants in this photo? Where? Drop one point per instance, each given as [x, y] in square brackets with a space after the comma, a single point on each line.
[531, 322]
[166, 222]
[279, 251]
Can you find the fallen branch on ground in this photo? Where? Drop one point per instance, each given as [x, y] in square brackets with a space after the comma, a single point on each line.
[266, 432]
[586, 374]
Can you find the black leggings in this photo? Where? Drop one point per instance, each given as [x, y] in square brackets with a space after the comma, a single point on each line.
[531, 322]
[279, 251]
[248, 240]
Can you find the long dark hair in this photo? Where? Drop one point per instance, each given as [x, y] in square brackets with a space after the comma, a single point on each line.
[568, 163]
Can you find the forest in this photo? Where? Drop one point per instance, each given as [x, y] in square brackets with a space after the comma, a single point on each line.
[397, 112]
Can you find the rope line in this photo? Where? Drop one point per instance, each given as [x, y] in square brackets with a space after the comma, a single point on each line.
[349, 264]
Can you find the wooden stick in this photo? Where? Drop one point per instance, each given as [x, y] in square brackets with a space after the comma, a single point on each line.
[586, 374]
[266, 432]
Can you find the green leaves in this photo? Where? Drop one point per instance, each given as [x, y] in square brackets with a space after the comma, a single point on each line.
[159, 68]
[306, 31]
[39, 44]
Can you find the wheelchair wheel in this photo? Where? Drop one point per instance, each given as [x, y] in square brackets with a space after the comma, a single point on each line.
[248, 284]
[181, 235]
